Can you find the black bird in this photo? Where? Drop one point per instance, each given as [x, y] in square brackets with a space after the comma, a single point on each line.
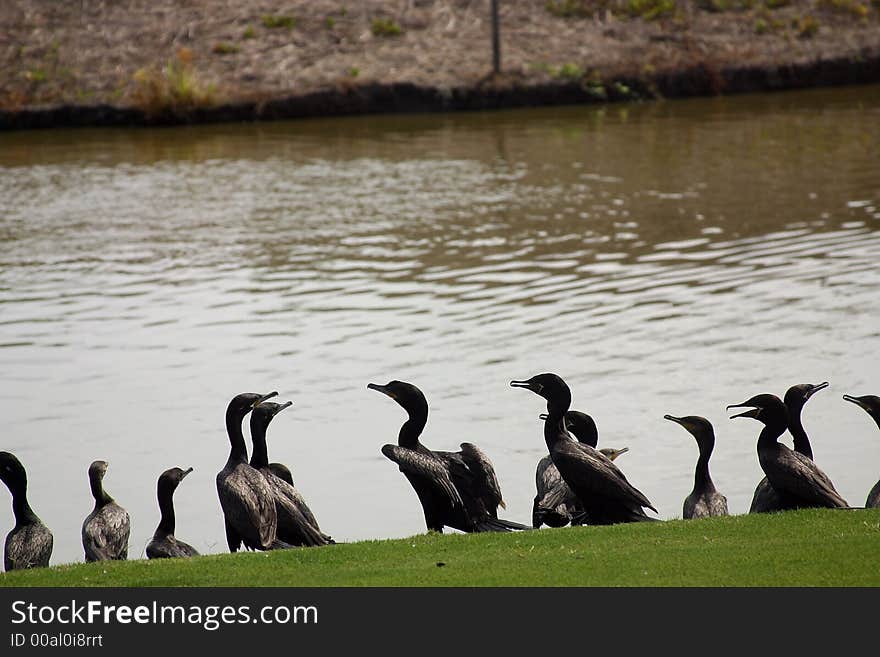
[705, 500]
[456, 489]
[296, 523]
[282, 472]
[245, 495]
[871, 405]
[555, 504]
[29, 544]
[766, 499]
[106, 529]
[164, 544]
[607, 497]
[790, 473]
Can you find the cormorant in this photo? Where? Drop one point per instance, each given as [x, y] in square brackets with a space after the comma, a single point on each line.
[766, 499]
[106, 529]
[164, 543]
[456, 489]
[245, 495]
[607, 497]
[296, 523]
[704, 500]
[871, 405]
[282, 472]
[555, 505]
[29, 544]
[792, 474]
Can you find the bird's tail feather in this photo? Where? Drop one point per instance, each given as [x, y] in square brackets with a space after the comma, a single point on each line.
[499, 525]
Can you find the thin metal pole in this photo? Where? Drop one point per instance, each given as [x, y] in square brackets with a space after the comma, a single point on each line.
[496, 39]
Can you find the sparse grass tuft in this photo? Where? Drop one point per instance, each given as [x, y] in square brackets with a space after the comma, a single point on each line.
[650, 9]
[567, 72]
[850, 7]
[571, 8]
[249, 32]
[274, 21]
[223, 48]
[385, 27]
[176, 87]
[806, 27]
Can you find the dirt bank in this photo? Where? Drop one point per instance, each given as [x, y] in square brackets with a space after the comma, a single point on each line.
[99, 62]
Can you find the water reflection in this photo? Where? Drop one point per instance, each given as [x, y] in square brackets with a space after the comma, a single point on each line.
[666, 258]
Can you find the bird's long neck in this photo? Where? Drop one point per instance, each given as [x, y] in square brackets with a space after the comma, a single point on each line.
[554, 425]
[260, 457]
[20, 508]
[412, 429]
[770, 434]
[166, 508]
[238, 450]
[98, 492]
[554, 430]
[796, 427]
[702, 479]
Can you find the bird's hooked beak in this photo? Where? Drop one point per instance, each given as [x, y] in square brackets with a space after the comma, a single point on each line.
[185, 472]
[529, 385]
[855, 400]
[677, 420]
[383, 389]
[614, 453]
[816, 388]
[264, 398]
[281, 407]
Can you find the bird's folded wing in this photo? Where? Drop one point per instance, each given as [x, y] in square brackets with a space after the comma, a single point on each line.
[583, 467]
[802, 477]
[426, 467]
[481, 466]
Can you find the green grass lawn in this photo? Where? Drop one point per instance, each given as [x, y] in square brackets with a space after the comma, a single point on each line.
[803, 548]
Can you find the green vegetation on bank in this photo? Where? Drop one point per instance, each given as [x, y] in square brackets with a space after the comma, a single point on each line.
[803, 548]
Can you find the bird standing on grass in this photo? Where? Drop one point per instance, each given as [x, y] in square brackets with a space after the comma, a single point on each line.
[29, 543]
[606, 495]
[245, 496]
[555, 504]
[871, 405]
[296, 522]
[456, 489]
[164, 544]
[766, 498]
[106, 529]
[792, 475]
[704, 500]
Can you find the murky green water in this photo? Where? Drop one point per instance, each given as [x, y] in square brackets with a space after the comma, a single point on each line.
[665, 258]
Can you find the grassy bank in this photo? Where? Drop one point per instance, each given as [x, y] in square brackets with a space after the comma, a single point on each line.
[102, 63]
[804, 548]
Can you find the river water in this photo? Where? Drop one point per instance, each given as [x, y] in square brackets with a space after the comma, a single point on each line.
[672, 257]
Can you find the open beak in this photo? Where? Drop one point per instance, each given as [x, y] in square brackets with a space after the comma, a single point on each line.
[525, 384]
[752, 412]
[543, 416]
